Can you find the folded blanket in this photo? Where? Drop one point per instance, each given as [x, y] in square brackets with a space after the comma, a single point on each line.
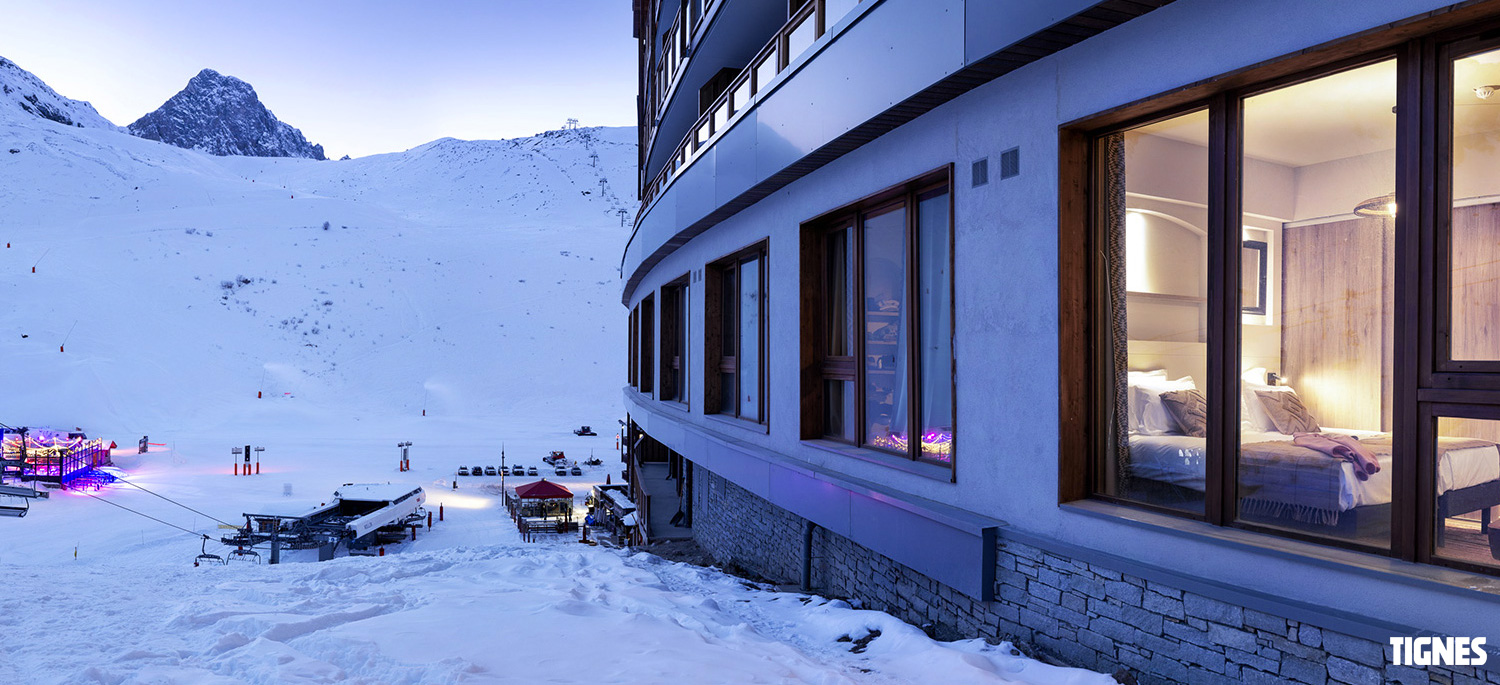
[1342, 447]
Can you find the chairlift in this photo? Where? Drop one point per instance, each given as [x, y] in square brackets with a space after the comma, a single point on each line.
[14, 505]
[206, 557]
[242, 554]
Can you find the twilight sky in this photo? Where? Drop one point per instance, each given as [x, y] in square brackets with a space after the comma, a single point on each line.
[357, 76]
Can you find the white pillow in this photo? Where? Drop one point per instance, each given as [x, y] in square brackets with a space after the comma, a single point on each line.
[1253, 416]
[1153, 418]
[1136, 378]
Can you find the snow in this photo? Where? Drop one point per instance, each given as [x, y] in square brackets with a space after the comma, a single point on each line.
[463, 297]
[466, 602]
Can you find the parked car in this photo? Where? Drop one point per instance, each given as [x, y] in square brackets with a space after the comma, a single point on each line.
[561, 470]
[518, 470]
[531, 471]
[489, 471]
[463, 470]
[576, 470]
[477, 470]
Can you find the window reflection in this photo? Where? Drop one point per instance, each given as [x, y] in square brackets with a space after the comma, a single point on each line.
[885, 323]
[1316, 454]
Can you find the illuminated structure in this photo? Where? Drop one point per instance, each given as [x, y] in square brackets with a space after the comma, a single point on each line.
[1111, 261]
[50, 456]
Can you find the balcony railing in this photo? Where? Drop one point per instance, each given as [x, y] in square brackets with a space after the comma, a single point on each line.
[799, 33]
[670, 56]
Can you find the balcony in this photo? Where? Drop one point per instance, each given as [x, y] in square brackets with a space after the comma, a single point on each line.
[690, 48]
[837, 75]
[794, 38]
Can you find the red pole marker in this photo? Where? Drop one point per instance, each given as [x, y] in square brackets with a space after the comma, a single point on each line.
[59, 348]
[440, 512]
[236, 468]
[429, 520]
[257, 394]
[257, 468]
[382, 551]
[424, 411]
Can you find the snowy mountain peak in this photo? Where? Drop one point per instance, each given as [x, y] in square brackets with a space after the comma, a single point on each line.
[23, 94]
[222, 115]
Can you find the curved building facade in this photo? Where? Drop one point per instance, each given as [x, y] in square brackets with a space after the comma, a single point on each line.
[1160, 336]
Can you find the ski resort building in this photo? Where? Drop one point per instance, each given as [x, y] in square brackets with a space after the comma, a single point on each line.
[1160, 336]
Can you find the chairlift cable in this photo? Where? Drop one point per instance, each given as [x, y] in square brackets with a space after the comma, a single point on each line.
[153, 518]
[184, 506]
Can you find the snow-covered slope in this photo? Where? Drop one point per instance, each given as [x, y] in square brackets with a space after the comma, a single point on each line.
[222, 115]
[472, 279]
[23, 95]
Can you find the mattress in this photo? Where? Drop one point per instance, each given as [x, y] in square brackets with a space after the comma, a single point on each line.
[1178, 460]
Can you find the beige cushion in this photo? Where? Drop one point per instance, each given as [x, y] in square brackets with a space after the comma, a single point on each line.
[1286, 410]
[1189, 409]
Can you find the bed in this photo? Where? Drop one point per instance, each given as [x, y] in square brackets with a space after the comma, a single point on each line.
[1289, 486]
[1313, 491]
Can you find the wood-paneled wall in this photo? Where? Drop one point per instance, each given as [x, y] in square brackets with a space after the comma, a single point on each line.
[1476, 301]
[1476, 282]
[1336, 334]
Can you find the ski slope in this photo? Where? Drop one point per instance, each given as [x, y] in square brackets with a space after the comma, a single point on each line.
[460, 295]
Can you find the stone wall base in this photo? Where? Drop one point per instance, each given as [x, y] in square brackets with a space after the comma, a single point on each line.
[1076, 612]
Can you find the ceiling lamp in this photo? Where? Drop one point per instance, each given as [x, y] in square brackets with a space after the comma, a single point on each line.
[1382, 207]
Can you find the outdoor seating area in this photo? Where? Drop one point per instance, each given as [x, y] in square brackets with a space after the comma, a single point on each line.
[542, 507]
[69, 459]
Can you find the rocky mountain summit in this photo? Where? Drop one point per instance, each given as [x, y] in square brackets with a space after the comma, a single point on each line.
[222, 115]
[23, 94]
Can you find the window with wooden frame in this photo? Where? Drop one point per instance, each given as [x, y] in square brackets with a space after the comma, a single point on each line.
[634, 346]
[1278, 298]
[734, 335]
[877, 322]
[674, 341]
[648, 343]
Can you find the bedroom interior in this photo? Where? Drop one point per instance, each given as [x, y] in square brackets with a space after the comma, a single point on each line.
[1317, 319]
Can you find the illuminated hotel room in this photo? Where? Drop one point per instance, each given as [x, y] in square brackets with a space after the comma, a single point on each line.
[1317, 319]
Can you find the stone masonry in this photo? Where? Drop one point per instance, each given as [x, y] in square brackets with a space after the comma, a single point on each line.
[1071, 611]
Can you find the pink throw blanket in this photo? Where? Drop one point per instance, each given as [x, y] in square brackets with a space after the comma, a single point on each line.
[1341, 447]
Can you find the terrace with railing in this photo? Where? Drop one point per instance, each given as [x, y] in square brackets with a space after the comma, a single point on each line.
[801, 30]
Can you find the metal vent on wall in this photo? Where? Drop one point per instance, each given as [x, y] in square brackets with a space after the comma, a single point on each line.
[981, 172]
[1010, 163]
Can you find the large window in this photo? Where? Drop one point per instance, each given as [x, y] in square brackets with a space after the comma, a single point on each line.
[634, 347]
[735, 335]
[1280, 304]
[674, 337]
[647, 343]
[877, 323]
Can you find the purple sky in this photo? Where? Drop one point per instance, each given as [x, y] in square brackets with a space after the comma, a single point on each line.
[357, 76]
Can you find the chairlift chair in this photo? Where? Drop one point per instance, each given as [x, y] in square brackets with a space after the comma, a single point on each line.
[14, 506]
[205, 556]
[243, 554]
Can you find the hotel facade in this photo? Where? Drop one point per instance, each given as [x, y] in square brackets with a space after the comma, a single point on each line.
[1159, 336]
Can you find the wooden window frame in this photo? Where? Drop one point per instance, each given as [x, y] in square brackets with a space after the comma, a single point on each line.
[817, 365]
[673, 385]
[634, 344]
[1427, 382]
[715, 362]
[647, 327]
